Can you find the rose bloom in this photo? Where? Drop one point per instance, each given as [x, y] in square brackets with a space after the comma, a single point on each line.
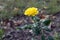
[32, 11]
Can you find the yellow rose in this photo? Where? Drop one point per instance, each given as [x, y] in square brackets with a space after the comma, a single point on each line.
[32, 11]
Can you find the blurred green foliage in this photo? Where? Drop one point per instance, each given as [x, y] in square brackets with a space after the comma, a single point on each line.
[47, 22]
[57, 36]
[50, 38]
[53, 6]
[43, 37]
[1, 33]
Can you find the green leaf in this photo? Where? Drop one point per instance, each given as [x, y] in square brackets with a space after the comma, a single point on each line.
[35, 18]
[42, 37]
[57, 36]
[36, 30]
[50, 38]
[49, 30]
[28, 27]
[18, 28]
[47, 22]
[1, 33]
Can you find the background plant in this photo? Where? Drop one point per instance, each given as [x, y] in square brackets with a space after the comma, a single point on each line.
[9, 5]
[1, 33]
[57, 36]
